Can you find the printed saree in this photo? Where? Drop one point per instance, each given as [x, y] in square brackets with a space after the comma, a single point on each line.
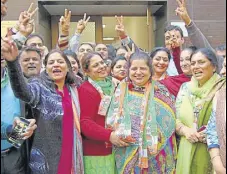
[160, 121]
[191, 100]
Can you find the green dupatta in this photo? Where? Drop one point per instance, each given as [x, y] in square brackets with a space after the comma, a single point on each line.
[194, 158]
[106, 85]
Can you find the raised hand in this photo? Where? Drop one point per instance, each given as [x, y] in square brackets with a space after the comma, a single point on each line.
[169, 40]
[26, 16]
[9, 50]
[26, 22]
[172, 42]
[82, 24]
[182, 12]
[120, 29]
[65, 22]
[130, 51]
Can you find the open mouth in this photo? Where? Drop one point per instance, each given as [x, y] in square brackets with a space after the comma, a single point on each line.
[57, 72]
[198, 74]
[160, 67]
[32, 68]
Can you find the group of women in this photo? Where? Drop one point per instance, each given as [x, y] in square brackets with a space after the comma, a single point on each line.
[126, 125]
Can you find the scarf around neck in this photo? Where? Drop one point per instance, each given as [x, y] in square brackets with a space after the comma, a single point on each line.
[204, 91]
[106, 85]
[202, 104]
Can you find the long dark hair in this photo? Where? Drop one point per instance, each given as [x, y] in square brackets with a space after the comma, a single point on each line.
[69, 79]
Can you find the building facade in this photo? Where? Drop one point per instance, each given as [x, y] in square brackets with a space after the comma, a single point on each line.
[144, 20]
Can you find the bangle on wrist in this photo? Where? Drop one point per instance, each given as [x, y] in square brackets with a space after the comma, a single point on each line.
[189, 23]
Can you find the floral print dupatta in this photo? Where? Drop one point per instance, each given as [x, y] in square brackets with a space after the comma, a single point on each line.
[140, 118]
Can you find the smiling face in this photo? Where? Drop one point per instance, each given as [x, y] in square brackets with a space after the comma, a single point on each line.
[97, 69]
[160, 62]
[202, 69]
[119, 70]
[83, 49]
[57, 67]
[139, 72]
[185, 62]
[30, 62]
[74, 64]
[102, 49]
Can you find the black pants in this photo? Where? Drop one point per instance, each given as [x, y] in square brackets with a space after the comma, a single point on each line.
[14, 162]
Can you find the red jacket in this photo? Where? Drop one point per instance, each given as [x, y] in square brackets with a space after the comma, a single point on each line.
[94, 134]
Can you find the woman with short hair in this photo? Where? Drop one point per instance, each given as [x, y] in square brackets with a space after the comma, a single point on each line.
[142, 114]
[95, 96]
[193, 108]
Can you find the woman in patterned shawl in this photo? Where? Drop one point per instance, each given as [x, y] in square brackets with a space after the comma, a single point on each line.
[57, 145]
[193, 108]
[142, 114]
